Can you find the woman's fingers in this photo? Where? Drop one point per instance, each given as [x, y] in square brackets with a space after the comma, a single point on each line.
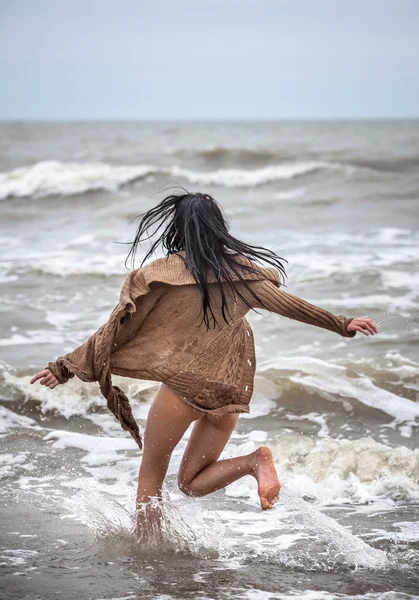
[370, 325]
[40, 375]
[47, 378]
[51, 382]
[358, 328]
[365, 326]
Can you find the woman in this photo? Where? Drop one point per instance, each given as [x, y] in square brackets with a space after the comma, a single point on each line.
[181, 321]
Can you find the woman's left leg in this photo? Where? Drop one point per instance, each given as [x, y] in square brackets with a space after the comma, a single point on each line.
[202, 473]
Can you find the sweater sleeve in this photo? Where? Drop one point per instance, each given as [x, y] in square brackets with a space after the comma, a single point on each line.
[280, 302]
[80, 362]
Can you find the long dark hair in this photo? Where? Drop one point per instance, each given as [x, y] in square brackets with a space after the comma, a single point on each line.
[195, 223]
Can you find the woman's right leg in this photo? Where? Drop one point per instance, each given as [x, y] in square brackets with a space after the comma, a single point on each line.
[168, 419]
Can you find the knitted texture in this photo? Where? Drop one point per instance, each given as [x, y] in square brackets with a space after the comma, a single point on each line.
[156, 333]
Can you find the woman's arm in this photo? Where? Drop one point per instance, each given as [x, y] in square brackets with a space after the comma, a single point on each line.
[280, 302]
[82, 364]
[87, 361]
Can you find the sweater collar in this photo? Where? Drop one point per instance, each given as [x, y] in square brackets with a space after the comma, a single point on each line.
[172, 270]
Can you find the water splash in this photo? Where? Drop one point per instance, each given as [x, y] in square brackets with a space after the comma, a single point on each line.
[161, 526]
[184, 527]
[414, 330]
[200, 534]
[343, 544]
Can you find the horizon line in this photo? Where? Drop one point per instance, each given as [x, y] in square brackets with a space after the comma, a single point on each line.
[199, 119]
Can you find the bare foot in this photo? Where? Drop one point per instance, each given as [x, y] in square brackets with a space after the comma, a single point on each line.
[148, 523]
[267, 477]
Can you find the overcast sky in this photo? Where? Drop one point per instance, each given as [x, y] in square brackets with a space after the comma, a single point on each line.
[209, 59]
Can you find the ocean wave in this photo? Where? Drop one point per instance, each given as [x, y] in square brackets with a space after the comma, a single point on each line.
[382, 263]
[50, 178]
[245, 155]
[334, 381]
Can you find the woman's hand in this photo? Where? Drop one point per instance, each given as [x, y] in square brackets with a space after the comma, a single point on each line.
[365, 326]
[47, 378]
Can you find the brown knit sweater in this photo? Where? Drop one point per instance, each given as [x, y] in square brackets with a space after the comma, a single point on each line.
[155, 333]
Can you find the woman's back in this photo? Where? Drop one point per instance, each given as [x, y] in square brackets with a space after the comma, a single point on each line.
[211, 368]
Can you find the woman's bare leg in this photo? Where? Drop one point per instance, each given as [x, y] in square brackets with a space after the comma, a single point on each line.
[168, 419]
[202, 473]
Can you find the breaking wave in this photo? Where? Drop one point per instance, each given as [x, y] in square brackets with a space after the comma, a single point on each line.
[50, 178]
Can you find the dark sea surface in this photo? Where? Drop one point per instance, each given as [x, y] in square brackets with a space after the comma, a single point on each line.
[340, 202]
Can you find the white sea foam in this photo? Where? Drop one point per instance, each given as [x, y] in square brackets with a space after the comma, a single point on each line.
[11, 420]
[64, 263]
[314, 417]
[53, 177]
[251, 177]
[335, 472]
[330, 471]
[377, 251]
[99, 450]
[73, 398]
[12, 464]
[62, 321]
[392, 363]
[405, 531]
[268, 535]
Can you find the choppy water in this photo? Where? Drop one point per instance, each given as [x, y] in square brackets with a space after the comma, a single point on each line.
[340, 202]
